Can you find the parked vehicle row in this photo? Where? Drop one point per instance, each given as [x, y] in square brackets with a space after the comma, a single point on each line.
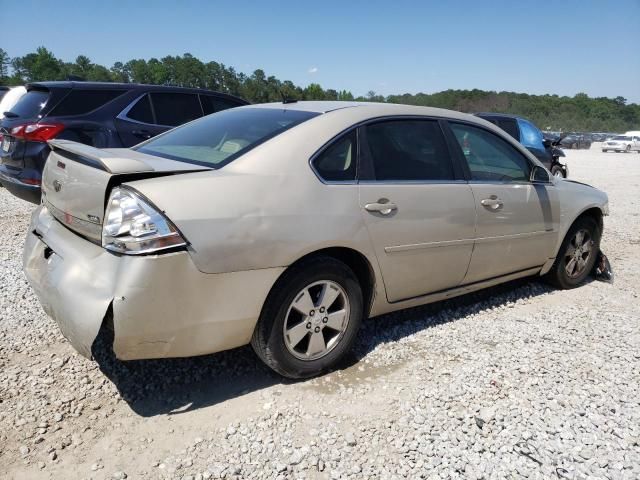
[103, 115]
[285, 225]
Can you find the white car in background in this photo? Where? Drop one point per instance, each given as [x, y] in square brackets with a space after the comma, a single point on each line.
[9, 99]
[623, 143]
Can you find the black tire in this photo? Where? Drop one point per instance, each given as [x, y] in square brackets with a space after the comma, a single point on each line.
[268, 338]
[558, 169]
[558, 275]
[628, 149]
[604, 150]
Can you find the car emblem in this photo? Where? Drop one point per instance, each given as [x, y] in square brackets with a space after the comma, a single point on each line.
[57, 186]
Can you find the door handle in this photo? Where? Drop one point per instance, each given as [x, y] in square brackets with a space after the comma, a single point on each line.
[493, 202]
[142, 133]
[383, 206]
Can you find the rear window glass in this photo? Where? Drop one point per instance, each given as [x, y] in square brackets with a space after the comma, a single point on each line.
[31, 104]
[218, 139]
[175, 108]
[79, 102]
[211, 104]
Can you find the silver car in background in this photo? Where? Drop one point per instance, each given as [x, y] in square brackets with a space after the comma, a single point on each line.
[285, 225]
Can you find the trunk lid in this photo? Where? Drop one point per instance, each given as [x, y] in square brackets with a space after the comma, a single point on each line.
[78, 178]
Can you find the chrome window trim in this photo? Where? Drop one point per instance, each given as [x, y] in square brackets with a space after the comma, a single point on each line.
[412, 182]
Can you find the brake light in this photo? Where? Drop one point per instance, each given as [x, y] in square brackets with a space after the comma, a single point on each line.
[37, 132]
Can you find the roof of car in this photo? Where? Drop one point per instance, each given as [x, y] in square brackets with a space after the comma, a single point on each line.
[496, 114]
[366, 109]
[128, 86]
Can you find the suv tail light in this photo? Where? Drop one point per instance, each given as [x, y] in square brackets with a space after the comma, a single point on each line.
[37, 132]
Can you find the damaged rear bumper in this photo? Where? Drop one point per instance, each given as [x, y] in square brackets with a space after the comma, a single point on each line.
[163, 306]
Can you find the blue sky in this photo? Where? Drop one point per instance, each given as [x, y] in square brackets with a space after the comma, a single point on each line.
[562, 47]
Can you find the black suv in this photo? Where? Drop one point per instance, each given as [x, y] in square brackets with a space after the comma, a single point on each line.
[104, 115]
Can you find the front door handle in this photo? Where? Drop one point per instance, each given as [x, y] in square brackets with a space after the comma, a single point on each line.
[383, 206]
[492, 203]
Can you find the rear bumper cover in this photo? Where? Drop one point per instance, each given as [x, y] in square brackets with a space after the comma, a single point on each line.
[163, 306]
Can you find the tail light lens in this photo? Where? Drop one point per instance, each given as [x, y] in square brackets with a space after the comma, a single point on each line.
[37, 132]
[133, 226]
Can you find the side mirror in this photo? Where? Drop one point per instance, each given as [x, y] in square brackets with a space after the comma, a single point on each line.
[539, 175]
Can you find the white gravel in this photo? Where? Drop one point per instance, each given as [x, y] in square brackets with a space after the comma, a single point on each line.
[522, 381]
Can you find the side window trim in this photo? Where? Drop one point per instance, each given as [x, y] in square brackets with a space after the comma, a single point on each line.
[460, 155]
[123, 115]
[328, 145]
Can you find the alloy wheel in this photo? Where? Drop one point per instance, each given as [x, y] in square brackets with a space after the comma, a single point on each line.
[578, 253]
[316, 320]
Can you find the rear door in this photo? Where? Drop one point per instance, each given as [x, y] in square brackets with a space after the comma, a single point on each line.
[517, 222]
[418, 210]
[154, 113]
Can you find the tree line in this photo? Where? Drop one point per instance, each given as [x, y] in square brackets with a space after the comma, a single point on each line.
[577, 113]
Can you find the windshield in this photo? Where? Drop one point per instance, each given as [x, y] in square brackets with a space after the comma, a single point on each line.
[621, 137]
[30, 104]
[218, 139]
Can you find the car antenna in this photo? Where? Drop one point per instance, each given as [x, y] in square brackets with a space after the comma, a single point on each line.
[286, 99]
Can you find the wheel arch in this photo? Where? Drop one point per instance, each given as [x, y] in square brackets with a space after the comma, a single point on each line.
[355, 260]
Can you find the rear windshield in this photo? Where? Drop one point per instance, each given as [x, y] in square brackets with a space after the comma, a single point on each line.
[31, 104]
[218, 139]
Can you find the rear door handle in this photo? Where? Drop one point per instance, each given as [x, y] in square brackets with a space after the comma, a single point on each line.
[142, 133]
[492, 203]
[383, 206]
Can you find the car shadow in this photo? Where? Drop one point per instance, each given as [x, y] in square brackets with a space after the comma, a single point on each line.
[178, 385]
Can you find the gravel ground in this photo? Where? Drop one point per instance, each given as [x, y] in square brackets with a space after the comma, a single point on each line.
[521, 381]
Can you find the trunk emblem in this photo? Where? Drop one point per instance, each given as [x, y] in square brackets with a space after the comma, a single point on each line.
[57, 186]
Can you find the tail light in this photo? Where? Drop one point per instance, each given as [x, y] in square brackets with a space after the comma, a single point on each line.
[37, 132]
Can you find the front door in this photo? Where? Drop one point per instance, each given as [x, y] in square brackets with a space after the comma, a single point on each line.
[419, 213]
[517, 222]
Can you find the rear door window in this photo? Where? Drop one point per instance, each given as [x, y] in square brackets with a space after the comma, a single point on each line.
[79, 102]
[409, 150]
[141, 111]
[31, 103]
[212, 104]
[174, 109]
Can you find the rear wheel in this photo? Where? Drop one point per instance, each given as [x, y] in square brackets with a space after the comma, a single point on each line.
[310, 319]
[577, 254]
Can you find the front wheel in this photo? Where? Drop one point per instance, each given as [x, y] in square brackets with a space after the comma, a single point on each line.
[577, 254]
[310, 319]
[558, 171]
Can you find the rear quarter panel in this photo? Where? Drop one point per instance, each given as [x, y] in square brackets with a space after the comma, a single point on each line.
[265, 209]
